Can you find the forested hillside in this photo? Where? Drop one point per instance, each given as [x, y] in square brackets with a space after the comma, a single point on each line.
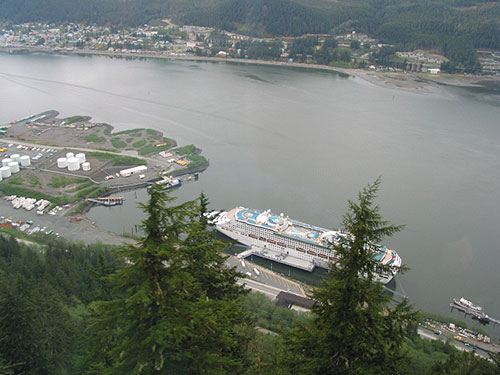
[443, 24]
[168, 305]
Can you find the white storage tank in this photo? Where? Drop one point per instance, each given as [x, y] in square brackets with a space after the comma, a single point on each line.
[5, 172]
[73, 164]
[81, 158]
[25, 161]
[6, 161]
[15, 157]
[14, 166]
[62, 162]
[69, 155]
[86, 166]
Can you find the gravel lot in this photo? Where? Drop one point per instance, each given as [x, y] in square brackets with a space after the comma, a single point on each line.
[83, 230]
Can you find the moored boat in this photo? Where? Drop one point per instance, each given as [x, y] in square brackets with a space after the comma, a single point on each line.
[462, 302]
[169, 182]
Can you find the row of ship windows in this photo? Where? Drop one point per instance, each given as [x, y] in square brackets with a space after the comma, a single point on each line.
[308, 248]
[263, 232]
[259, 234]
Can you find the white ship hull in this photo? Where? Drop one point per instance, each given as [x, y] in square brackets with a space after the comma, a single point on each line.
[264, 238]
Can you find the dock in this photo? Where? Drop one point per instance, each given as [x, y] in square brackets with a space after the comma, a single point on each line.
[107, 201]
[480, 316]
[279, 257]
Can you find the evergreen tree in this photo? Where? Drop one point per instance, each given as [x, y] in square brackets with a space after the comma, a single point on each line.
[176, 307]
[35, 331]
[353, 329]
[466, 363]
[355, 44]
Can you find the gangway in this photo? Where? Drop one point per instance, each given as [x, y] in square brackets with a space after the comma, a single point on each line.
[107, 201]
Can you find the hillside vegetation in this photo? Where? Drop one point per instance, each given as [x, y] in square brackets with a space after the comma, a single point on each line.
[169, 305]
[443, 24]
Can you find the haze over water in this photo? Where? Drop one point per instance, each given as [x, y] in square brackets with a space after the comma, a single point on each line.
[303, 142]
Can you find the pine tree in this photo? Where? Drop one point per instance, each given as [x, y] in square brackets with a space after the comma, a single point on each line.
[466, 363]
[35, 330]
[176, 307]
[353, 329]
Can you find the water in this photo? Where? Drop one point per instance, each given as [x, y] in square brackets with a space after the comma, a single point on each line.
[304, 142]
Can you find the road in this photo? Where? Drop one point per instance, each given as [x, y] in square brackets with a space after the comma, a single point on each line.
[269, 291]
[427, 334]
[265, 280]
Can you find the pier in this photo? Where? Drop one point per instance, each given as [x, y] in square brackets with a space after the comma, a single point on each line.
[279, 257]
[480, 316]
[107, 201]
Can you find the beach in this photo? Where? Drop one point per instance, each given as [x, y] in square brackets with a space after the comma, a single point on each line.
[422, 83]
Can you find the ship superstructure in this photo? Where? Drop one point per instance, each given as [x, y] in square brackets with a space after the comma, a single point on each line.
[169, 182]
[462, 302]
[280, 234]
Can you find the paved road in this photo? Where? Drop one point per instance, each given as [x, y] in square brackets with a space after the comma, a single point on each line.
[425, 333]
[269, 291]
[271, 283]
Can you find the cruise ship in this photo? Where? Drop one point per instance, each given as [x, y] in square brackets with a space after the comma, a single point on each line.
[279, 234]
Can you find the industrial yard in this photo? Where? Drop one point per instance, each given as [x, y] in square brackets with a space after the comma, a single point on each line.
[78, 131]
[38, 166]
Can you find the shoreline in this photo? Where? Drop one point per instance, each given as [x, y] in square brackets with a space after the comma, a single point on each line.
[420, 83]
[84, 230]
[239, 68]
[56, 134]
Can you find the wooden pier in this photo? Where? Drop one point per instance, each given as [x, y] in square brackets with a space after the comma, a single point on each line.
[107, 201]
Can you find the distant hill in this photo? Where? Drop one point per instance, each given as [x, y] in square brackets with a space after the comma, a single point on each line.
[410, 23]
[448, 25]
[133, 12]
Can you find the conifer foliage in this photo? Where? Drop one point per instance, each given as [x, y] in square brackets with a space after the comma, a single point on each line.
[354, 330]
[176, 307]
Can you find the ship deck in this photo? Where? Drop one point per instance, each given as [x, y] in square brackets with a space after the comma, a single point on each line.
[295, 229]
[281, 224]
[278, 256]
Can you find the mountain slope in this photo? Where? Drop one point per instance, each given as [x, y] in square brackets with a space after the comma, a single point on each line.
[438, 24]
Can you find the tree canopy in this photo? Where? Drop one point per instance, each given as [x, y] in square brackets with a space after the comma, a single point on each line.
[408, 24]
[354, 329]
[169, 305]
[176, 307]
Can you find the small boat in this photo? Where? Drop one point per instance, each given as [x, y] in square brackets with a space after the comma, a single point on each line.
[462, 302]
[169, 182]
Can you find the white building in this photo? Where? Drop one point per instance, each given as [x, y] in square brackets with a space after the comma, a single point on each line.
[135, 170]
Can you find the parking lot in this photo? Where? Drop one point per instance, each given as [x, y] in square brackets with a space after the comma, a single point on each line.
[36, 153]
[270, 282]
[83, 230]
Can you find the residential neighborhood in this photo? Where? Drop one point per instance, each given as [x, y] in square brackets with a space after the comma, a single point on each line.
[351, 50]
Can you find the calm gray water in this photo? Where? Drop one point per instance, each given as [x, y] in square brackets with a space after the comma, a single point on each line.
[304, 142]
